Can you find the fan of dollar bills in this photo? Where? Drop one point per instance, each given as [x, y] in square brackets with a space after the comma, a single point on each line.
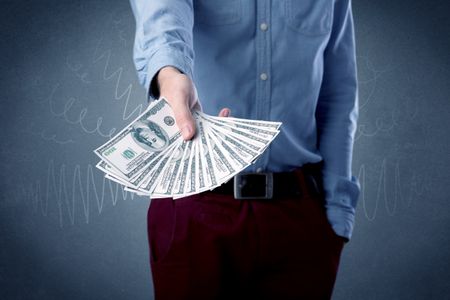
[150, 157]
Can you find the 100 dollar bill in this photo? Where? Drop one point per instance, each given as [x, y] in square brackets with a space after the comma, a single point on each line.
[133, 148]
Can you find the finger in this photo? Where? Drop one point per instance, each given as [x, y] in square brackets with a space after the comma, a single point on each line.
[224, 112]
[184, 119]
[197, 106]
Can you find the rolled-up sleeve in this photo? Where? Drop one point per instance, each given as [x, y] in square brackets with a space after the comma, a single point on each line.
[337, 115]
[163, 38]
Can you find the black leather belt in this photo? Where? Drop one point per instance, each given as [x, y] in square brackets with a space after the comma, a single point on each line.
[306, 179]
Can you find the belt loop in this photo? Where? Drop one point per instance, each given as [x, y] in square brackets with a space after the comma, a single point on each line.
[303, 182]
[308, 177]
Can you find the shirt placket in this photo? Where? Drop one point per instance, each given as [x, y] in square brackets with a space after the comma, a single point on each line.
[263, 69]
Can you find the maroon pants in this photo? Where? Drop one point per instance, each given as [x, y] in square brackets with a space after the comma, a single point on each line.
[211, 246]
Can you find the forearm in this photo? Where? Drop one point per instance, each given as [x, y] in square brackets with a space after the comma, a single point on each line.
[163, 38]
[337, 116]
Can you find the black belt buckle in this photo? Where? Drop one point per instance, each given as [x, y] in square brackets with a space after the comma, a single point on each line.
[253, 186]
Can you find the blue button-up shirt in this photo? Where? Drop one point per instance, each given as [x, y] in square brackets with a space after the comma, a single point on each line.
[283, 60]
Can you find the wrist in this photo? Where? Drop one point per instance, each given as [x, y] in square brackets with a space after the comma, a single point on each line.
[166, 72]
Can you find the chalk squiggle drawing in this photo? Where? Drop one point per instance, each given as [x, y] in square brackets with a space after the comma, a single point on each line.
[67, 192]
[80, 71]
[390, 203]
[106, 56]
[52, 138]
[57, 190]
[374, 76]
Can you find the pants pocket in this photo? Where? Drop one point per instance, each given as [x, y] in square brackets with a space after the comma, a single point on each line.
[161, 225]
[319, 201]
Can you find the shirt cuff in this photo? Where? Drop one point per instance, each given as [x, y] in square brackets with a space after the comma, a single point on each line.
[342, 222]
[163, 58]
[341, 198]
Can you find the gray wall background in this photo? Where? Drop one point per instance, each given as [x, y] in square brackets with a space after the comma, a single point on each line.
[67, 80]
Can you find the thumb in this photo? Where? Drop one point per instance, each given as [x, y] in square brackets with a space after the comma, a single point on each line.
[224, 112]
[184, 119]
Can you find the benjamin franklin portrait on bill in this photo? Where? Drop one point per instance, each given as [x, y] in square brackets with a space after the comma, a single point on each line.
[150, 136]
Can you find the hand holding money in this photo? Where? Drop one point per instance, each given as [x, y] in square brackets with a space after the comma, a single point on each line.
[179, 91]
[150, 157]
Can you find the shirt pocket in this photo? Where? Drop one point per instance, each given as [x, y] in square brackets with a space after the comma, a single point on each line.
[309, 17]
[217, 12]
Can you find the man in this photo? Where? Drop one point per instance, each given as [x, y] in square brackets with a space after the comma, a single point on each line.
[283, 60]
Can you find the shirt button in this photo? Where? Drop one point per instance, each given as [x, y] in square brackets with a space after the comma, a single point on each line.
[263, 26]
[263, 76]
[259, 170]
